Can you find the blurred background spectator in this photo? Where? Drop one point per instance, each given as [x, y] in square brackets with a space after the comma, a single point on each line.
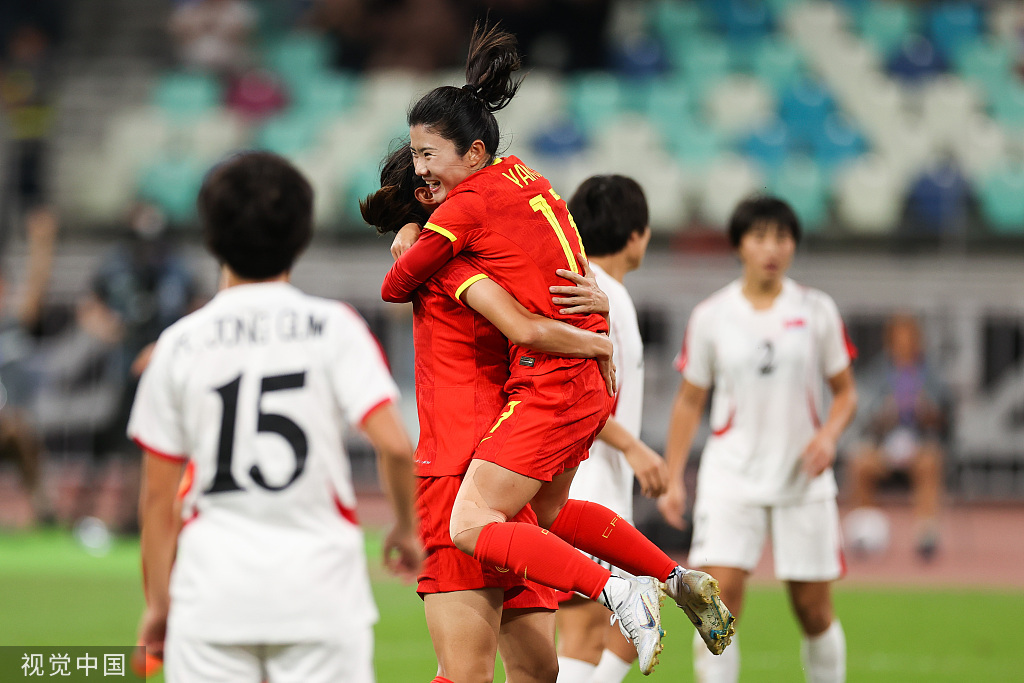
[213, 35]
[904, 412]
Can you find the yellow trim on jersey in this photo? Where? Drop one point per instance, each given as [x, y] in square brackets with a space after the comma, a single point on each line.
[438, 229]
[497, 160]
[462, 288]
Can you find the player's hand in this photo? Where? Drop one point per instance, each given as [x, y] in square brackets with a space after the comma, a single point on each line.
[152, 631]
[672, 505]
[583, 297]
[607, 366]
[402, 554]
[819, 455]
[649, 467]
[405, 238]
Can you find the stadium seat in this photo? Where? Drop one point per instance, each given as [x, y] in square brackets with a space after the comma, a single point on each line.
[322, 94]
[694, 145]
[777, 63]
[213, 136]
[916, 60]
[768, 146]
[675, 22]
[173, 184]
[743, 20]
[298, 55]
[666, 190]
[1008, 105]
[561, 138]
[639, 57]
[986, 63]
[288, 134]
[982, 146]
[953, 24]
[937, 200]
[727, 181]
[540, 101]
[738, 105]
[186, 96]
[705, 61]
[804, 107]
[801, 182]
[665, 104]
[869, 199]
[885, 24]
[947, 103]
[1001, 195]
[836, 143]
[137, 136]
[595, 98]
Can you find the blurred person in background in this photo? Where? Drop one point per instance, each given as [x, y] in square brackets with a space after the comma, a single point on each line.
[142, 286]
[612, 217]
[25, 98]
[765, 344]
[905, 422]
[19, 439]
[213, 35]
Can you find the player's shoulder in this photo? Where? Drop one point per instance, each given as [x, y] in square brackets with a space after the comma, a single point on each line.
[719, 301]
[812, 297]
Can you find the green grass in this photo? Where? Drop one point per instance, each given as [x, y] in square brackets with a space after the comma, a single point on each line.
[53, 593]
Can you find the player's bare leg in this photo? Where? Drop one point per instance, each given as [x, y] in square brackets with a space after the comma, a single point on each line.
[527, 645]
[581, 627]
[926, 476]
[464, 628]
[824, 645]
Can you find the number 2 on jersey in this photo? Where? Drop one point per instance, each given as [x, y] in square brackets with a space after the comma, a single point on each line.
[223, 479]
[540, 203]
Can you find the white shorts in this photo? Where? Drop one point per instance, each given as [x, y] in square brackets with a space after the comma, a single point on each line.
[604, 481]
[347, 661]
[806, 541]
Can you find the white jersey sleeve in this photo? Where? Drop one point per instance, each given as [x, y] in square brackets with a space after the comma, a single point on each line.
[360, 376]
[156, 423]
[835, 350]
[696, 360]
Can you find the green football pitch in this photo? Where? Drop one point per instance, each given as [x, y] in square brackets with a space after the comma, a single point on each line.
[53, 593]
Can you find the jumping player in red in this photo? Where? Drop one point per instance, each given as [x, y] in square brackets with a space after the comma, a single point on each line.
[507, 214]
[461, 368]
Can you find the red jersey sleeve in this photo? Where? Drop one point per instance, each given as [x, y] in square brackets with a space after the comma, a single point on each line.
[445, 235]
[458, 274]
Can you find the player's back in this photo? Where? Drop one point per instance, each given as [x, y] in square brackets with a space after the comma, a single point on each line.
[523, 233]
[255, 389]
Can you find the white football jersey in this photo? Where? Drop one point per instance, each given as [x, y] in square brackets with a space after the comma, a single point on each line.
[768, 369]
[605, 477]
[255, 389]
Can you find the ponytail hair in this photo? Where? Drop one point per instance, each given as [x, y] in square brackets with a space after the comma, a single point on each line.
[395, 204]
[465, 114]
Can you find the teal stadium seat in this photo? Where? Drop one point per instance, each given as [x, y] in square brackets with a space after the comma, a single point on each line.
[172, 184]
[1001, 196]
[666, 103]
[801, 182]
[676, 22]
[885, 24]
[365, 180]
[694, 145]
[289, 134]
[323, 95]
[987, 64]
[705, 61]
[1008, 104]
[777, 63]
[297, 56]
[186, 96]
[595, 98]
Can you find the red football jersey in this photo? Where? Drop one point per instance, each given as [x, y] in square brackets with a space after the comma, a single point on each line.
[509, 216]
[461, 367]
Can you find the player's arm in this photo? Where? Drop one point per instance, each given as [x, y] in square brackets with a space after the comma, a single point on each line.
[41, 230]
[415, 266]
[649, 467]
[384, 428]
[536, 332]
[159, 538]
[687, 407]
[821, 451]
[584, 296]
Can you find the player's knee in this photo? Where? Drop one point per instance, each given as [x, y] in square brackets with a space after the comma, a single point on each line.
[533, 670]
[814, 618]
[468, 520]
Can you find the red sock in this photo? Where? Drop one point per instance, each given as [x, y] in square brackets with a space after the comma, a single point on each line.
[535, 554]
[441, 679]
[596, 530]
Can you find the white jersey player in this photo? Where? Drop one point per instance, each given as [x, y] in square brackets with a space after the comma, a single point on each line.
[254, 390]
[767, 345]
[611, 215]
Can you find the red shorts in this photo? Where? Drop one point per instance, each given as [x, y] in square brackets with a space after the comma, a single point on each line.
[447, 569]
[549, 422]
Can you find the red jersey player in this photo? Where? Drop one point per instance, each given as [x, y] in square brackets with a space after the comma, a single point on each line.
[461, 368]
[508, 215]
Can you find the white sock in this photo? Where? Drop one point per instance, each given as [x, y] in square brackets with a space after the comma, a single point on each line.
[824, 655]
[611, 669]
[709, 668]
[574, 670]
